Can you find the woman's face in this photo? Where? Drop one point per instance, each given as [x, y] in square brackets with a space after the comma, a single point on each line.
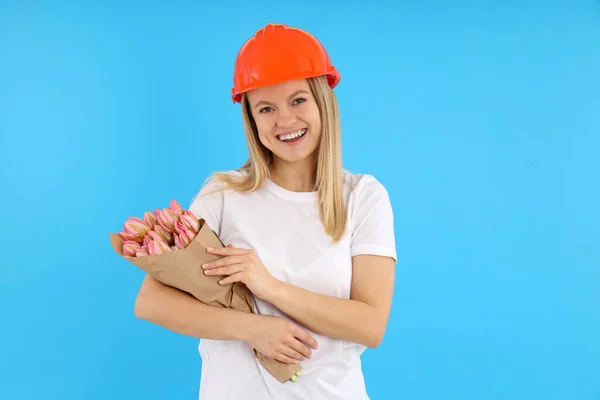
[288, 119]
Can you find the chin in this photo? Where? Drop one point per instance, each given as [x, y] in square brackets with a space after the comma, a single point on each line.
[295, 158]
[296, 155]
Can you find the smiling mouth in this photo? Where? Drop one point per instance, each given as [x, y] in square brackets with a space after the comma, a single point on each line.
[292, 136]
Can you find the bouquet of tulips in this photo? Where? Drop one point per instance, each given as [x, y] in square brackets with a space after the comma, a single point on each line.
[170, 245]
[163, 230]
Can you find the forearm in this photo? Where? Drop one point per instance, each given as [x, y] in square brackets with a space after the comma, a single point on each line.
[338, 318]
[182, 313]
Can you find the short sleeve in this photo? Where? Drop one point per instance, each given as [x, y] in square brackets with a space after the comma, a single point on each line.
[372, 220]
[208, 204]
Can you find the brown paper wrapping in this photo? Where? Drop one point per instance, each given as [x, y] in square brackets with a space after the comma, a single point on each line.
[181, 269]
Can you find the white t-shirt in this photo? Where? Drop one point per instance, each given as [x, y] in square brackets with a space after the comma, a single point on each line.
[285, 230]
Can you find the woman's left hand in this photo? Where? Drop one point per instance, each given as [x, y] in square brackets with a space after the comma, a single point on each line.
[241, 265]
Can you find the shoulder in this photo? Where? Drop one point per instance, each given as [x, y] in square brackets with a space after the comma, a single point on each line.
[215, 187]
[218, 181]
[210, 199]
[363, 186]
[371, 216]
[366, 197]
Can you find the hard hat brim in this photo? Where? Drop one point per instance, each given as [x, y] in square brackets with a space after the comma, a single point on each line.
[333, 79]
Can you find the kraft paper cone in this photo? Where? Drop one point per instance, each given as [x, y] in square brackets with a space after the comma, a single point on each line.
[181, 269]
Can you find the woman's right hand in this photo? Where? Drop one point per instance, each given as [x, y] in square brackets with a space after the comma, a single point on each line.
[280, 339]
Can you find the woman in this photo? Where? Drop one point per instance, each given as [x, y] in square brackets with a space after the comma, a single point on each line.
[312, 241]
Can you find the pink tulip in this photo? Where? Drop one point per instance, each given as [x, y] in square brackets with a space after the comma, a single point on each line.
[141, 252]
[177, 240]
[168, 236]
[167, 219]
[130, 247]
[125, 235]
[179, 226]
[190, 234]
[175, 206]
[182, 240]
[154, 235]
[136, 226]
[162, 246]
[186, 239]
[158, 246]
[190, 222]
[150, 218]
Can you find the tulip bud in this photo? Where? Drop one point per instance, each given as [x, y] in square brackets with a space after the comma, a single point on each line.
[136, 226]
[179, 226]
[168, 236]
[190, 234]
[175, 206]
[150, 219]
[177, 241]
[158, 246]
[153, 235]
[190, 222]
[162, 245]
[125, 235]
[141, 252]
[182, 240]
[186, 239]
[130, 247]
[167, 219]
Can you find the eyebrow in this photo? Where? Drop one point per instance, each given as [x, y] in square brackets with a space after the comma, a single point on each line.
[296, 93]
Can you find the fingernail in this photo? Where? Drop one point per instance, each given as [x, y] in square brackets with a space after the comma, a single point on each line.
[204, 265]
[209, 249]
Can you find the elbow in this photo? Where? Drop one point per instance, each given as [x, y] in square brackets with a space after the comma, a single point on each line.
[374, 336]
[140, 308]
[143, 303]
[146, 300]
[374, 340]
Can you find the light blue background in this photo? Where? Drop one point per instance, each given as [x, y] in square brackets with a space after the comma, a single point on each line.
[482, 119]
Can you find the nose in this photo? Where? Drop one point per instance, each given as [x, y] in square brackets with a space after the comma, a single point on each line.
[285, 118]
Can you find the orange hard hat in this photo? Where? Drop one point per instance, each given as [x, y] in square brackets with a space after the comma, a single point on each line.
[278, 53]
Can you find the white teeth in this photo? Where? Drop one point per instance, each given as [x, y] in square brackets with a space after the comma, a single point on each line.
[292, 135]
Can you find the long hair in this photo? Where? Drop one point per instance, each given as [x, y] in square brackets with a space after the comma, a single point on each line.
[328, 168]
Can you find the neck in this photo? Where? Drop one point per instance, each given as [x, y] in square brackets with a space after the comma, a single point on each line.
[296, 177]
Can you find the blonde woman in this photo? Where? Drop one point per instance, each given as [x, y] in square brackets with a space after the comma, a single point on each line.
[312, 241]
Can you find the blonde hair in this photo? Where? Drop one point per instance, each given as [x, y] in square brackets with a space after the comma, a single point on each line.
[329, 177]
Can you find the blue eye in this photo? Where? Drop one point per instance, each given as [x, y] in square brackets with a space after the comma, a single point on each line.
[299, 100]
[264, 109]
